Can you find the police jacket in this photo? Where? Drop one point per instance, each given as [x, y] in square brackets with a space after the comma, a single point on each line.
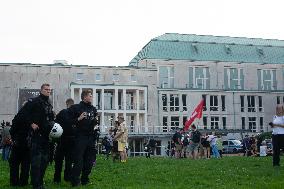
[39, 111]
[20, 129]
[65, 120]
[86, 125]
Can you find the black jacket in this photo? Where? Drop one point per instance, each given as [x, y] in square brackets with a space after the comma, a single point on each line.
[39, 111]
[65, 120]
[86, 125]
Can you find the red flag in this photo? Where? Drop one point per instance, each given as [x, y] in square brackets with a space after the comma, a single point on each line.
[197, 113]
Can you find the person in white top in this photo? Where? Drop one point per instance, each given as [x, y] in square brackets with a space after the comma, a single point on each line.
[277, 134]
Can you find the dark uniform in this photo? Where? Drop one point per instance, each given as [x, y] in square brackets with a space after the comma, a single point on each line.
[64, 147]
[39, 111]
[84, 148]
[20, 156]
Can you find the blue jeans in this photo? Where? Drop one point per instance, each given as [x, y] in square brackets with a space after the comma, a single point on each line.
[215, 151]
[6, 152]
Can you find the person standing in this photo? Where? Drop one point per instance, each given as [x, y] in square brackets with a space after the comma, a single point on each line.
[40, 117]
[213, 144]
[20, 159]
[219, 144]
[84, 151]
[195, 141]
[122, 137]
[178, 142]
[277, 134]
[65, 144]
[6, 142]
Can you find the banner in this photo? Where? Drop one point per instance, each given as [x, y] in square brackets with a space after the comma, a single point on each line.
[197, 113]
[26, 94]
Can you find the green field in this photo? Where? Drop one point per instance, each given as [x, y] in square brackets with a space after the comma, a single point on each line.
[229, 172]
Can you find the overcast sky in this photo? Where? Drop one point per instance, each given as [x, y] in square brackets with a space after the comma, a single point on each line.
[112, 32]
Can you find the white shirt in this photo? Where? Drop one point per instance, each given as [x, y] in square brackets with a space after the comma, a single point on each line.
[278, 120]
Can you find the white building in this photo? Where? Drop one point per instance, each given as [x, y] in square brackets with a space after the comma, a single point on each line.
[240, 78]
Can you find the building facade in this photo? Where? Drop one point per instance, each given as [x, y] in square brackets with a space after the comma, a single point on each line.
[241, 80]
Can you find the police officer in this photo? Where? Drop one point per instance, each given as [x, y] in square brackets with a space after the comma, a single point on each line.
[20, 154]
[65, 145]
[84, 117]
[40, 117]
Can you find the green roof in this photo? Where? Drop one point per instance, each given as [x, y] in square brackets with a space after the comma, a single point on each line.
[172, 46]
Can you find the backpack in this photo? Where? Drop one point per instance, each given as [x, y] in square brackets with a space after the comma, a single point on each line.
[185, 141]
[195, 136]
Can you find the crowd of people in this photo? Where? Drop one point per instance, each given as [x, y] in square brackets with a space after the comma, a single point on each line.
[193, 144]
[26, 142]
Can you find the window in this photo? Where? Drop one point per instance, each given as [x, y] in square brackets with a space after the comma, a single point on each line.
[98, 77]
[252, 124]
[133, 78]
[260, 108]
[115, 77]
[204, 106]
[213, 103]
[242, 103]
[199, 78]
[223, 103]
[165, 102]
[214, 122]
[205, 122]
[278, 99]
[174, 122]
[267, 79]
[166, 77]
[224, 120]
[174, 103]
[98, 100]
[79, 76]
[108, 104]
[130, 101]
[184, 107]
[184, 119]
[251, 103]
[131, 124]
[233, 78]
[243, 123]
[261, 124]
[165, 124]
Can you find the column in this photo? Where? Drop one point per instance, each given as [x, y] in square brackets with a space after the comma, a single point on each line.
[80, 92]
[103, 108]
[94, 97]
[116, 102]
[72, 93]
[138, 128]
[146, 108]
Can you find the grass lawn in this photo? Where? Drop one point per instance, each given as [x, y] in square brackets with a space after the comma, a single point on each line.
[139, 172]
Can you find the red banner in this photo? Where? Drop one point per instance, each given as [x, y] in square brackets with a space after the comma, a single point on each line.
[197, 113]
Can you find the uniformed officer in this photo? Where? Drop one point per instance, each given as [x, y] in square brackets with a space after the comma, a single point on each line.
[65, 145]
[39, 116]
[84, 117]
[20, 158]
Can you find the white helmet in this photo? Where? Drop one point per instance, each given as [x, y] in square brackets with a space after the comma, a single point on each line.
[56, 131]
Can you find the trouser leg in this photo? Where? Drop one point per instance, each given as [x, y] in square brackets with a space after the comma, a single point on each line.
[25, 168]
[79, 150]
[39, 160]
[89, 157]
[68, 159]
[58, 162]
[14, 167]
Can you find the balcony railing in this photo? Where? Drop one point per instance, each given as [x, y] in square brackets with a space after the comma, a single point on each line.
[169, 130]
